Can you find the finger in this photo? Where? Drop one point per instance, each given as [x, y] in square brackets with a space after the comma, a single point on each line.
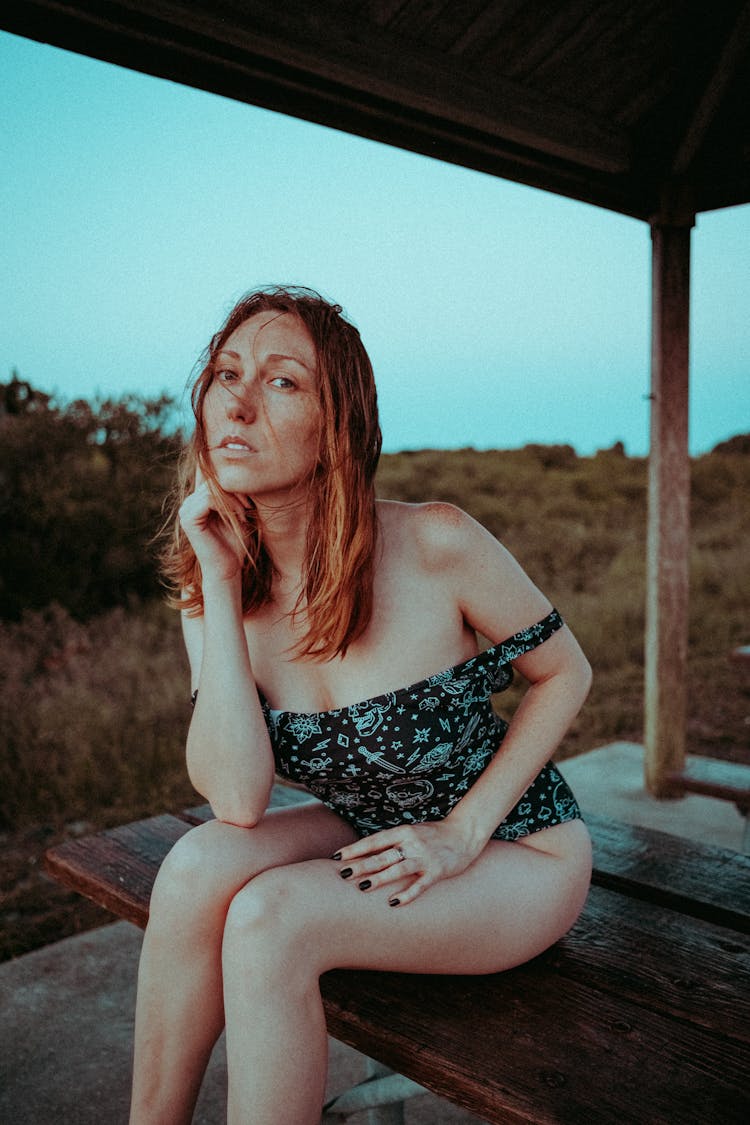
[385, 876]
[197, 505]
[369, 845]
[390, 859]
[410, 893]
[239, 502]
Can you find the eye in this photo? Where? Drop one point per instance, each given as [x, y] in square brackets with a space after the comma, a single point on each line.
[226, 375]
[283, 382]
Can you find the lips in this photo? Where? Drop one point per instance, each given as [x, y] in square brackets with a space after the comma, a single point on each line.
[233, 443]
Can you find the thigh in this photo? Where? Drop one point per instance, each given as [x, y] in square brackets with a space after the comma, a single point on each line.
[216, 859]
[510, 905]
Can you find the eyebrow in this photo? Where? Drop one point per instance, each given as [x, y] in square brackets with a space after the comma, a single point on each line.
[292, 358]
[272, 356]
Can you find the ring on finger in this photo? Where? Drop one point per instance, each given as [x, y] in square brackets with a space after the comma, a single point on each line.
[401, 852]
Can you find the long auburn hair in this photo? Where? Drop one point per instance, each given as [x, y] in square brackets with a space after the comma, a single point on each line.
[336, 595]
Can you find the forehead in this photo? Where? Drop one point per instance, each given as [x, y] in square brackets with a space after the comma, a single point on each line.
[273, 333]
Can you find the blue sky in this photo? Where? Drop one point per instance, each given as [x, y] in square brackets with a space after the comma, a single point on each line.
[135, 211]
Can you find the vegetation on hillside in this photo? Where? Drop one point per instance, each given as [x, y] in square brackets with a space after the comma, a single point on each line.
[81, 492]
[93, 680]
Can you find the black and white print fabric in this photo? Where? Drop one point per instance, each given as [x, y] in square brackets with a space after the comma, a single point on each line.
[410, 755]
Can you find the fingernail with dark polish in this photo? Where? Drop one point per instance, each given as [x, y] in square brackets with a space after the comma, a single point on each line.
[336, 855]
[345, 873]
[394, 902]
[365, 884]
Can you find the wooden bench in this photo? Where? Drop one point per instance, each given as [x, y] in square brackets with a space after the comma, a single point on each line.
[711, 777]
[640, 1014]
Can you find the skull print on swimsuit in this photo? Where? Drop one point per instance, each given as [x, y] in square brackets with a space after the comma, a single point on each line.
[409, 755]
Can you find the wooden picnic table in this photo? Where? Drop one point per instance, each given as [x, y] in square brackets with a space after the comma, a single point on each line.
[640, 1014]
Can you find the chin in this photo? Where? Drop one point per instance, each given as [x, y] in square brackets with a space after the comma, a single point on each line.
[233, 479]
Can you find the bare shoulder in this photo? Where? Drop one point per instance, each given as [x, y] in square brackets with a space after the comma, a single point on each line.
[437, 531]
[475, 570]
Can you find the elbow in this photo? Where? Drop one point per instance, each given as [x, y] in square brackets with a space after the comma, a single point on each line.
[238, 818]
[242, 808]
[231, 808]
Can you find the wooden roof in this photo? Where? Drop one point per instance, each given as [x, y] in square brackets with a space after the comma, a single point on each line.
[640, 106]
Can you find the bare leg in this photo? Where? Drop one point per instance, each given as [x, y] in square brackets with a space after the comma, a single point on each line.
[293, 923]
[179, 1012]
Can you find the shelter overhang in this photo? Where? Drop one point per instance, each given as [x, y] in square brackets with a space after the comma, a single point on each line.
[619, 106]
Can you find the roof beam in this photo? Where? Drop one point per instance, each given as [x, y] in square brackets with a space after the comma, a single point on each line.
[727, 66]
[316, 44]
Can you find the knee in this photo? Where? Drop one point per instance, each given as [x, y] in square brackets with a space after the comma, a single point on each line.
[266, 924]
[190, 877]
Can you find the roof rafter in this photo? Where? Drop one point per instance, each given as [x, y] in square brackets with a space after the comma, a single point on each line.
[728, 64]
[613, 108]
[317, 41]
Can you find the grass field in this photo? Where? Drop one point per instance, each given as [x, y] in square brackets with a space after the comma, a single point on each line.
[93, 715]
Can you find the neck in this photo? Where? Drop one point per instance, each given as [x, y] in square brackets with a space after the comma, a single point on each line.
[284, 529]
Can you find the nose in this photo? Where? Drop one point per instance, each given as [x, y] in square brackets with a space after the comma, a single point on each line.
[242, 404]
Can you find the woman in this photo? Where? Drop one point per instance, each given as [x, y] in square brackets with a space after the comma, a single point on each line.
[333, 638]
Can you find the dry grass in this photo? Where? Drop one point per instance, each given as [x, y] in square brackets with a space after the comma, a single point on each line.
[93, 715]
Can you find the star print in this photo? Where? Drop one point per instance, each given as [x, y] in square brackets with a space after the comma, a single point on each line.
[363, 795]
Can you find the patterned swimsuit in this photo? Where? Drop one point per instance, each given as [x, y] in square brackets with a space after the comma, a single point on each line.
[410, 755]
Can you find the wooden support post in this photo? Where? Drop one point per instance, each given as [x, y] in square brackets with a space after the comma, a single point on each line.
[668, 507]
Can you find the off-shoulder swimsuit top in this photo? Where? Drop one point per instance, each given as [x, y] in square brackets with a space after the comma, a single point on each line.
[410, 755]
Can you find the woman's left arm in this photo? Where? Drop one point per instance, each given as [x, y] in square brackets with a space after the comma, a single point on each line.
[497, 598]
[559, 678]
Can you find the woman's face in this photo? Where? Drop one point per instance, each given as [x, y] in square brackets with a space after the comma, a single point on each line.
[261, 414]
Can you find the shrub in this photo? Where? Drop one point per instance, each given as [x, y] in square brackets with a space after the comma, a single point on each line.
[93, 716]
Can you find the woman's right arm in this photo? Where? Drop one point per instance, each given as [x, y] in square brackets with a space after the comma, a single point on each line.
[229, 755]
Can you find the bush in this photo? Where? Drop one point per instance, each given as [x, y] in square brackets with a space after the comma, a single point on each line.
[81, 495]
[94, 713]
[93, 717]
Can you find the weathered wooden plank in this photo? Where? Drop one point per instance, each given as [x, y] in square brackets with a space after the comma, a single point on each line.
[729, 781]
[628, 975]
[616, 945]
[117, 868]
[696, 879]
[531, 1046]
[661, 960]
